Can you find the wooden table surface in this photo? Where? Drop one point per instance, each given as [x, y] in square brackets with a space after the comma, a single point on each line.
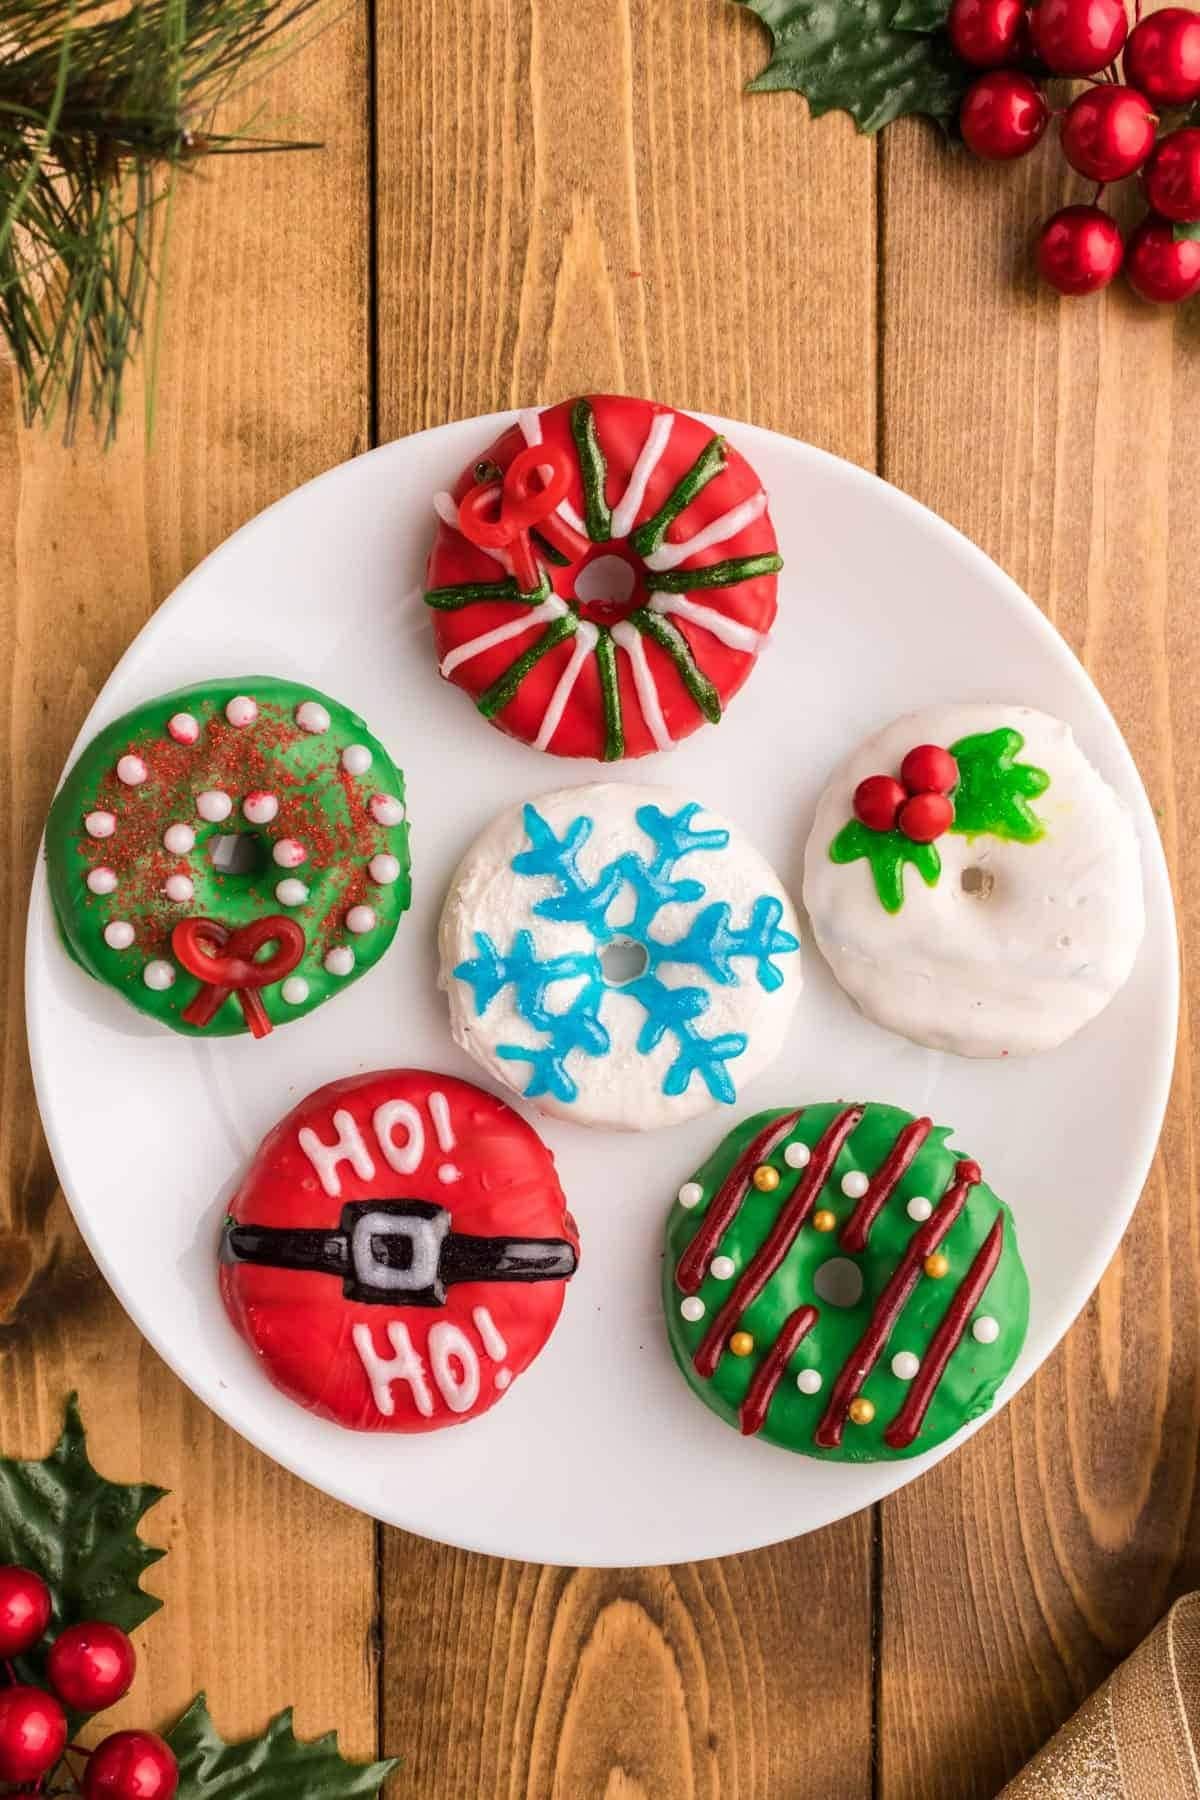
[519, 199]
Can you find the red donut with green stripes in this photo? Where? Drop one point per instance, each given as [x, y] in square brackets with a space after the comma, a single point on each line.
[603, 577]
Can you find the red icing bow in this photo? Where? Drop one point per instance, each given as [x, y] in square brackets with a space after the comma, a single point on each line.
[223, 961]
[919, 804]
[534, 484]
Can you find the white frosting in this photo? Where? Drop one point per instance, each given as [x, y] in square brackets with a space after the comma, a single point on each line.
[690, 1194]
[339, 960]
[348, 1146]
[132, 771]
[289, 853]
[809, 1381]
[531, 430]
[403, 1365]
[719, 531]
[797, 1156]
[214, 805]
[729, 631]
[919, 1208]
[855, 1184]
[905, 1365]
[454, 1364]
[360, 919]
[490, 1335]
[625, 512]
[260, 808]
[623, 1088]
[118, 934]
[692, 1308]
[985, 1330]
[356, 759]
[312, 716]
[439, 1112]
[295, 990]
[384, 869]
[179, 888]
[179, 839]
[183, 727]
[386, 809]
[159, 975]
[1011, 971]
[405, 1155]
[290, 892]
[584, 643]
[102, 880]
[241, 711]
[543, 614]
[629, 639]
[100, 824]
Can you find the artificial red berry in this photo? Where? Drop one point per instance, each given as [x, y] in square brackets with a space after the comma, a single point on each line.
[1162, 57]
[25, 1607]
[1078, 37]
[131, 1765]
[1159, 267]
[1108, 132]
[928, 769]
[1002, 115]
[91, 1666]
[1079, 250]
[33, 1733]
[877, 800]
[987, 33]
[925, 817]
[1172, 176]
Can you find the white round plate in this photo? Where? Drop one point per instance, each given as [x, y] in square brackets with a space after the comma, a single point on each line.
[599, 1455]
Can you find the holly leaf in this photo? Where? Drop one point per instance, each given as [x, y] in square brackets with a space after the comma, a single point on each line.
[920, 15]
[79, 1532]
[275, 1766]
[887, 852]
[854, 54]
[994, 789]
[1191, 230]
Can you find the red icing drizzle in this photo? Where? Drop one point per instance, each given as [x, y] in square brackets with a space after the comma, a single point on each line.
[891, 1303]
[726, 1201]
[857, 1228]
[905, 1426]
[770, 1371]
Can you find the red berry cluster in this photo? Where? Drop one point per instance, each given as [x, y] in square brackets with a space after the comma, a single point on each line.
[1108, 132]
[919, 804]
[89, 1667]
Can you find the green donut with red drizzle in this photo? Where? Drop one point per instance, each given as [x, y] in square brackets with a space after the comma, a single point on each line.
[841, 1283]
[230, 855]
[603, 577]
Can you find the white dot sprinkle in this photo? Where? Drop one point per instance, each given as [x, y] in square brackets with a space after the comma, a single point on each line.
[722, 1267]
[179, 888]
[132, 771]
[295, 990]
[260, 808]
[102, 880]
[384, 869]
[100, 824]
[690, 1194]
[503, 1379]
[796, 1156]
[360, 919]
[448, 1173]
[692, 1308]
[241, 711]
[290, 892]
[919, 1208]
[312, 716]
[855, 1184]
[118, 935]
[289, 853]
[158, 975]
[356, 759]
[183, 728]
[386, 809]
[905, 1365]
[809, 1381]
[213, 805]
[179, 839]
[340, 960]
[985, 1330]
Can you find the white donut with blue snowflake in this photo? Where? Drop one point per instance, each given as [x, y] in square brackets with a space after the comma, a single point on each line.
[619, 956]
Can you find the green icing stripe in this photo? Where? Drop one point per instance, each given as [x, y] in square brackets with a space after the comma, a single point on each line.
[594, 470]
[550, 551]
[450, 599]
[672, 640]
[716, 575]
[495, 698]
[711, 460]
[610, 691]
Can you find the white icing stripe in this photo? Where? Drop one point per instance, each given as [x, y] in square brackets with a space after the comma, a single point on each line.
[448, 1344]
[669, 556]
[348, 1146]
[489, 1334]
[629, 639]
[439, 1112]
[447, 512]
[530, 422]
[628, 507]
[403, 1365]
[585, 643]
[728, 631]
[554, 608]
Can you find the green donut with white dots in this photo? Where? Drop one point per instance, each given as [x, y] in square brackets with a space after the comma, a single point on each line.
[230, 801]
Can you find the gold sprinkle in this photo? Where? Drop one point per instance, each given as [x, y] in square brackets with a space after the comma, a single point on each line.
[937, 1265]
[741, 1343]
[766, 1179]
[824, 1220]
[862, 1410]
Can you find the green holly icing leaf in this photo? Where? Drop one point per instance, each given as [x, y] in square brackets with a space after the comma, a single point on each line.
[79, 1532]
[854, 54]
[920, 15]
[275, 1766]
[887, 852]
[1186, 231]
[994, 789]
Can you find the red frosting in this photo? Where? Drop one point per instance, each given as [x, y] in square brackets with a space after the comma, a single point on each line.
[467, 1155]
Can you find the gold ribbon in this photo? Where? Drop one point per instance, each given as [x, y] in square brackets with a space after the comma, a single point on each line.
[1135, 1739]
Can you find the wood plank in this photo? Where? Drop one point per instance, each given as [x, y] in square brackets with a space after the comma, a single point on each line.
[571, 198]
[264, 382]
[1057, 435]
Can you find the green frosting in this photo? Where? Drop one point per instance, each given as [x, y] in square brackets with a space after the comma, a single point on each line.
[325, 807]
[974, 1371]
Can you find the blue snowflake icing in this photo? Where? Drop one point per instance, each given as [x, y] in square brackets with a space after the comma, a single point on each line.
[711, 943]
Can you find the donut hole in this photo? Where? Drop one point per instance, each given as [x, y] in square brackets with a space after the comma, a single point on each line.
[839, 1282]
[607, 588]
[624, 961]
[238, 853]
[977, 882]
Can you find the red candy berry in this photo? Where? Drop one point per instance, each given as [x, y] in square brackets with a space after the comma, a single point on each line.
[877, 800]
[925, 817]
[1108, 133]
[25, 1606]
[1002, 115]
[1159, 268]
[91, 1666]
[1172, 176]
[1079, 250]
[131, 1765]
[929, 770]
[33, 1733]
[1162, 57]
[1078, 37]
[987, 33]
